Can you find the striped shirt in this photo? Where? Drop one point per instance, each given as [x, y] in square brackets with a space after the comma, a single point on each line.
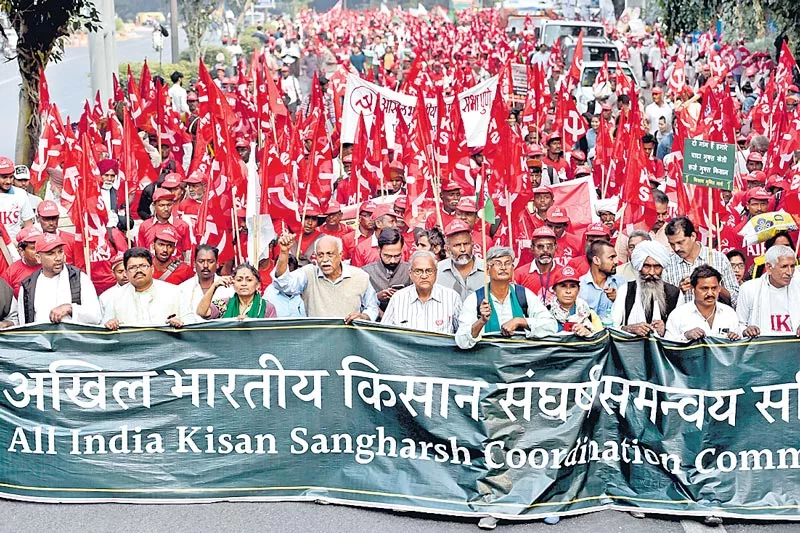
[439, 314]
[678, 268]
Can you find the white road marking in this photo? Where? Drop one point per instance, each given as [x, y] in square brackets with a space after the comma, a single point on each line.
[696, 525]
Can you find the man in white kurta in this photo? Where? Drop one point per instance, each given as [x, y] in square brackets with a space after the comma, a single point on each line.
[144, 301]
[51, 291]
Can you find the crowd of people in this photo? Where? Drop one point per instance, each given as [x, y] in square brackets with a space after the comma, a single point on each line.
[653, 267]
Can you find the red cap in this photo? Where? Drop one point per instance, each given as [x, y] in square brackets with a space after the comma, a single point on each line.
[597, 228]
[162, 194]
[191, 96]
[172, 180]
[534, 150]
[543, 232]
[758, 193]
[456, 226]
[167, 233]
[556, 215]
[313, 211]
[29, 234]
[118, 258]
[578, 155]
[606, 107]
[6, 166]
[48, 242]
[552, 137]
[47, 208]
[367, 207]
[450, 185]
[582, 170]
[759, 176]
[347, 158]
[381, 210]
[333, 207]
[194, 177]
[566, 274]
[776, 181]
[755, 156]
[242, 142]
[657, 90]
[401, 203]
[543, 189]
[396, 166]
[467, 205]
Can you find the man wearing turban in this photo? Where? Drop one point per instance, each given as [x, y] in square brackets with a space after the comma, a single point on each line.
[642, 306]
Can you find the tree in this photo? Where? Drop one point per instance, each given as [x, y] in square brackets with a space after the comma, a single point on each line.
[40, 25]
[197, 16]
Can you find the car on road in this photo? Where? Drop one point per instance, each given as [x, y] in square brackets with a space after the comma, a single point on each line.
[584, 93]
[551, 30]
[593, 49]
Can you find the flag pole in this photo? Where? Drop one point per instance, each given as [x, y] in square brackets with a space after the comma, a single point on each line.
[127, 212]
[236, 234]
[710, 224]
[508, 214]
[302, 224]
[86, 256]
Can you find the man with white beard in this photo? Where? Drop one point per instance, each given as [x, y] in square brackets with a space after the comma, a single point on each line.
[461, 271]
[642, 306]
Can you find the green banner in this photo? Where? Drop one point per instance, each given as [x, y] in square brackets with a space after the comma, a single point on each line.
[372, 415]
[709, 163]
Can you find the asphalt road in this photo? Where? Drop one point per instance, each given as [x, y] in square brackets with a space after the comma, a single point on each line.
[299, 517]
[68, 80]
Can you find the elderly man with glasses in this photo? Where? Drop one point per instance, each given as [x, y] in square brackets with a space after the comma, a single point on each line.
[509, 309]
[424, 305]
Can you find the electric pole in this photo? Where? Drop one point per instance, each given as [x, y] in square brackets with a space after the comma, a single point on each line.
[173, 30]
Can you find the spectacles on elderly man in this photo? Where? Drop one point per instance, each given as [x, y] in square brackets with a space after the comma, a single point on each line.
[423, 272]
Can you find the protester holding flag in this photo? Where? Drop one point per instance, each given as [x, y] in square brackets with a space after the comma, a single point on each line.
[508, 308]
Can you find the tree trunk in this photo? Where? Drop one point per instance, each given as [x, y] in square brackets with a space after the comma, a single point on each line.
[29, 123]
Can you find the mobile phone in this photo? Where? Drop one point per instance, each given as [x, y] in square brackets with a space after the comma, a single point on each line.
[397, 287]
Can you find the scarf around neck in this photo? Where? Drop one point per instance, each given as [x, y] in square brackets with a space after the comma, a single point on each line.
[257, 309]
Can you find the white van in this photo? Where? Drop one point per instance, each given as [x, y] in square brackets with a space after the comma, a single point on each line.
[551, 30]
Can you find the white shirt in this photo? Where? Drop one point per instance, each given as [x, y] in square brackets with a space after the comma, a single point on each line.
[439, 314]
[108, 297]
[146, 308]
[773, 321]
[686, 317]
[52, 292]
[540, 322]
[14, 210]
[178, 96]
[654, 112]
[190, 295]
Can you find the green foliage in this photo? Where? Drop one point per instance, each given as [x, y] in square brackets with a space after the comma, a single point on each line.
[188, 69]
[197, 15]
[209, 55]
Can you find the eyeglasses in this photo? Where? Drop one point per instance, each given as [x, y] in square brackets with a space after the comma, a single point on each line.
[503, 264]
[737, 266]
[423, 272]
[134, 268]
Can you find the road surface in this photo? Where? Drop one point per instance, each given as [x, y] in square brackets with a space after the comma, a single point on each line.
[301, 517]
[69, 82]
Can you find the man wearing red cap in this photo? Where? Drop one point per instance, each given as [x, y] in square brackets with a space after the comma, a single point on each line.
[754, 162]
[467, 211]
[162, 217]
[15, 209]
[449, 197]
[364, 230]
[165, 266]
[58, 292]
[538, 275]
[555, 168]
[333, 222]
[189, 208]
[47, 215]
[656, 109]
[173, 184]
[397, 178]
[461, 271]
[120, 278]
[568, 245]
[310, 234]
[367, 250]
[596, 231]
[26, 264]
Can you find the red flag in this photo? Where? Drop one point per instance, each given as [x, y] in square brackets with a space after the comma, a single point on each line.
[118, 94]
[320, 179]
[50, 150]
[569, 121]
[135, 162]
[574, 73]
[278, 182]
[420, 163]
[677, 80]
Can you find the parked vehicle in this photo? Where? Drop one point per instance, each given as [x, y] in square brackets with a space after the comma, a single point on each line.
[593, 49]
[551, 30]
